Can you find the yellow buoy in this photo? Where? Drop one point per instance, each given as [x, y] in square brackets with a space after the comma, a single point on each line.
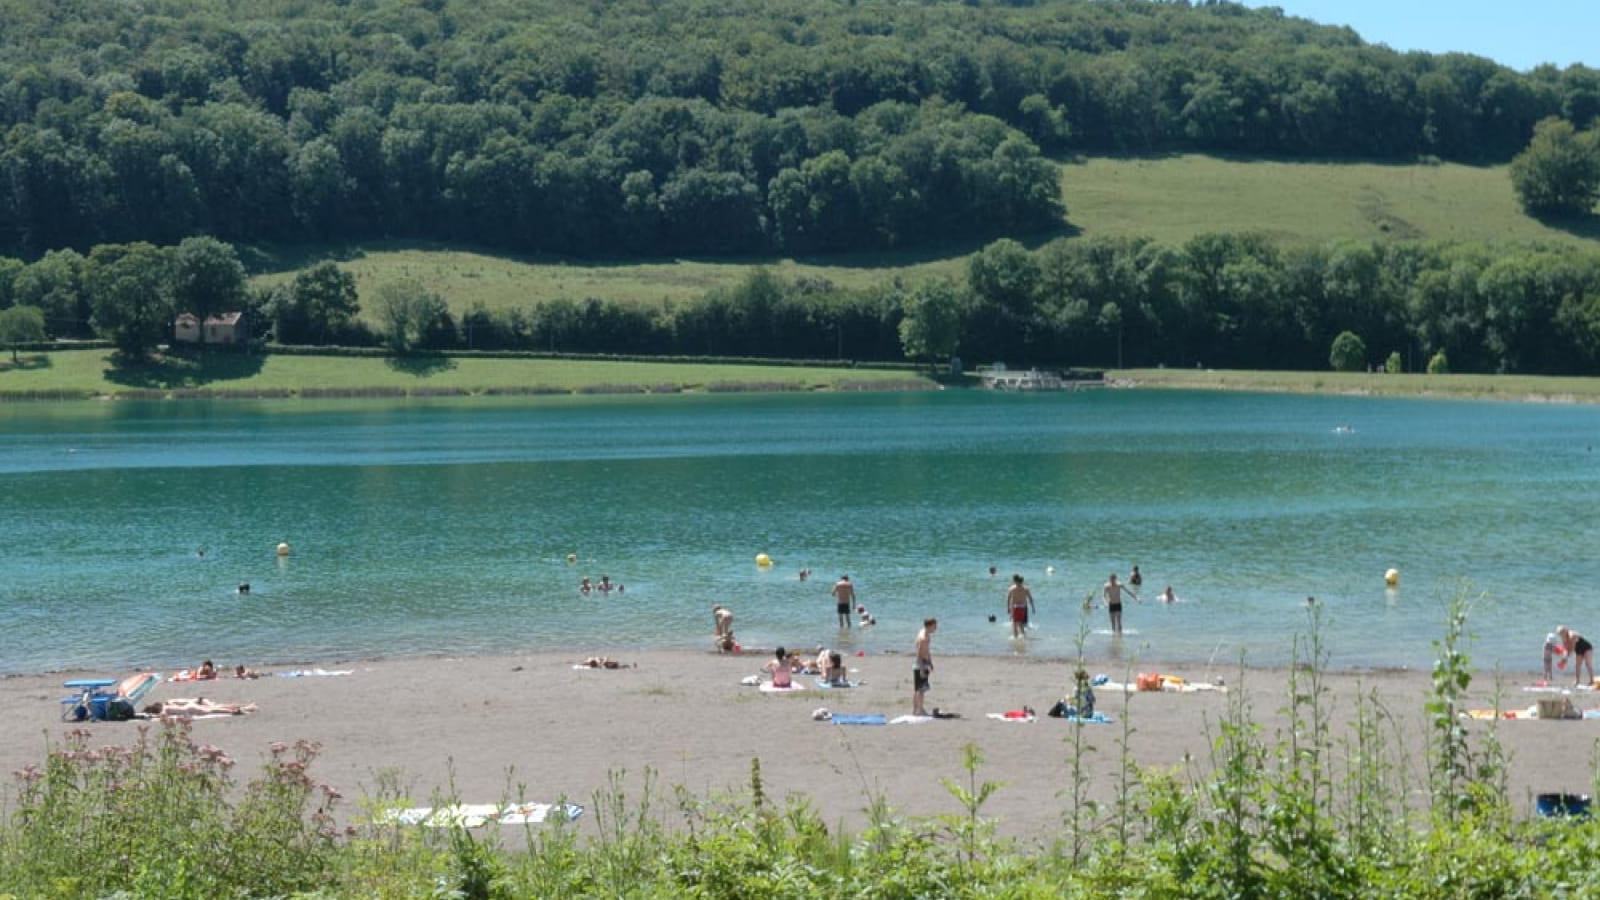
[283, 548]
[1391, 577]
[763, 560]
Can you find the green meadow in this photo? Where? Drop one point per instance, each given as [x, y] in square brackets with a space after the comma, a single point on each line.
[1531, 388]
[95, 373]
[1174, 198]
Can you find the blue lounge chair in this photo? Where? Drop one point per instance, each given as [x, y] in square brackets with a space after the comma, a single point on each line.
[102, 699]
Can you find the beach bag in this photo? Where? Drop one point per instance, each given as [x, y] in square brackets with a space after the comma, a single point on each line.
[1148, 681]
[119, 709]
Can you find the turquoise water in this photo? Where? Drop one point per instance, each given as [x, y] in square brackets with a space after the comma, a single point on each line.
[430, 527]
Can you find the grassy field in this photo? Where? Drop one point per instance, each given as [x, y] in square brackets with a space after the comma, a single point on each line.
[91, 373]
[1170, 198]
[1526, 388]
[1174, 198]
[466, 277]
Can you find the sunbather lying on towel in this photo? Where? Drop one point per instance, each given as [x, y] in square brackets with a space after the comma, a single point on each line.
[200, 706]
[605, 662]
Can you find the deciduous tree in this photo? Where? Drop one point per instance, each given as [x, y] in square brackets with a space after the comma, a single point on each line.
[1559, 172]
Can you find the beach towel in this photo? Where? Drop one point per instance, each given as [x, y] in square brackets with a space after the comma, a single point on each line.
[475, 815]
[768, 687]
[1098, 718]
[824, 685]
[309, 673]
[1013, 716]
[910, 720]
[870, 719]
[1165, 687]
[190, 675]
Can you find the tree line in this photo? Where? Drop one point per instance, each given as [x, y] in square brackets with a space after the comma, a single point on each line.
[679, 126]
[1225, 300]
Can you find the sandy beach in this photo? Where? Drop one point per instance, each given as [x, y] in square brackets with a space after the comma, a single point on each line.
[500, 727]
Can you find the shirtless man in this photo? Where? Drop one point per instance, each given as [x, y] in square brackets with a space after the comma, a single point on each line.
[1112, 592]
[922, 671]
[1019, 601]
[844, 599]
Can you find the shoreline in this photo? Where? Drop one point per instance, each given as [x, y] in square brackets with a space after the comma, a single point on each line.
[531, 726]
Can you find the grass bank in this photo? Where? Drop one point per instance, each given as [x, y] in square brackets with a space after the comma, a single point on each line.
[95, 373]
[1521, 388]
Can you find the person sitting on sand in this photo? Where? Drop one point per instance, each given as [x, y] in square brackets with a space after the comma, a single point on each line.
[782, 673]
[836, 673]
[605, 662]
[206, 672]
[240, 671]
[200, 706]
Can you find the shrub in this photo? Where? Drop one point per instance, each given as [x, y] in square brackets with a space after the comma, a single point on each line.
[1439, 364]
[161, 818]
[1349, 353]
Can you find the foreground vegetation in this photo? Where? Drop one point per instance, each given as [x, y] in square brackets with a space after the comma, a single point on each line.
[1303, 812]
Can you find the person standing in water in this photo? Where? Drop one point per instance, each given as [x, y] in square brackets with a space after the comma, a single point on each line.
[844, 599]
[1019, 603]
[1135, 579]
[1112, 593]
[722, 628]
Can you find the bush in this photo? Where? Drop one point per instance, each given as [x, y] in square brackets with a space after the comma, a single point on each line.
[1393, 365]
[1349, 353]
[1439, 364]
[162, 818]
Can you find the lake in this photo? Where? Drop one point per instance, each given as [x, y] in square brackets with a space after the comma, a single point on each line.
[444, 526]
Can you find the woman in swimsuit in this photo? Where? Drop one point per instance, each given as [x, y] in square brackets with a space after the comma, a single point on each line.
[1580, 651]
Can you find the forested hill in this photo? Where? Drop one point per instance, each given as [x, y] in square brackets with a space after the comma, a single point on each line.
[679, 126]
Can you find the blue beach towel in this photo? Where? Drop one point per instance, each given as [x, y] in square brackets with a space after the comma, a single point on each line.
[1098, 718]
[871, 719]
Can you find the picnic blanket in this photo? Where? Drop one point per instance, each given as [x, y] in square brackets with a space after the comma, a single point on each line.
[475, 815]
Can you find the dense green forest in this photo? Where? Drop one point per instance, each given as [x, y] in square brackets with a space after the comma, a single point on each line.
[679, 126]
